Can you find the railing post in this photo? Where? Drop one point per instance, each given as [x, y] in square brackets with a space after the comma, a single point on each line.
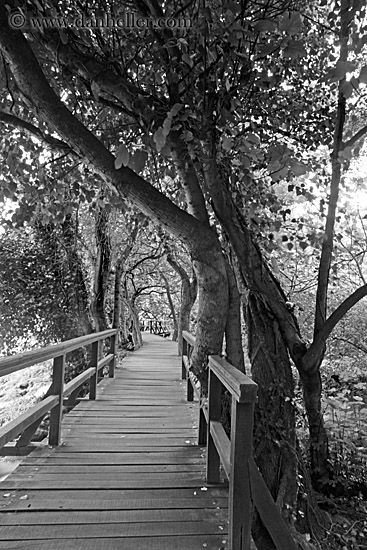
[58, 373]
[240, 504]
[112, 365]
[215, 412]
[184, 354]
[94, 363]
[202, 429]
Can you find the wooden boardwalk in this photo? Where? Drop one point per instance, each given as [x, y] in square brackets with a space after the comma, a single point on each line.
[128, 475]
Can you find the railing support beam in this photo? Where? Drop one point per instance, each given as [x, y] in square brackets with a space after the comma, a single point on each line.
[240, 503]
[215, 411]
[58, 374]
[94, 364]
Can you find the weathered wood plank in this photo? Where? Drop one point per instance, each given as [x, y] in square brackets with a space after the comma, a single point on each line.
[32, 496]
[101, 469]
[113, 516]
[197, 542]
[38, 502]
[169, 457]
[125, 530]
[90, 483]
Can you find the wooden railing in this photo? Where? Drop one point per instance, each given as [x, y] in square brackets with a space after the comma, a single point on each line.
[247, 488]
[59, 394]
[160, 327]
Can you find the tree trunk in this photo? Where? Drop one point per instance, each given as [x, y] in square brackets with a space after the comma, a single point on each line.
[116, 319]
[275, 437]
[102, 270]
[188, 297]
[319, 445]
[234, 347]
[172, 308]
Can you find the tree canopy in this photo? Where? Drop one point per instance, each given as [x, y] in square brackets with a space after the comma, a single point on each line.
[237, 129]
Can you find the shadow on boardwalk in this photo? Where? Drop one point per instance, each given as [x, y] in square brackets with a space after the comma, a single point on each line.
[128, 474]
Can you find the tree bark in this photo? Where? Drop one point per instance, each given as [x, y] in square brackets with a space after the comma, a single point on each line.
[188, 297]
[233, 332]
[102, 270]
[172, 308]
[275, 436]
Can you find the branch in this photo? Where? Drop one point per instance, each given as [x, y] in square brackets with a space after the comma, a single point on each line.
[310, 357]
[356, 137]
[125, 182]
[336, 171]
[8, 118]
[360, 347]
[178, 268]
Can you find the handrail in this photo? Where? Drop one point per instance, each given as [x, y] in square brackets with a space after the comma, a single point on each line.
[28, 422]
[14, 363]
[247, 488]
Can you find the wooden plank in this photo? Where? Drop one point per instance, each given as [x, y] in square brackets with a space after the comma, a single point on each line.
[122, 446]
[125, 530]
[29, 358]
[30, 497]
[269, 513]
[112, 516]
[41, 503]
[135, 437]
[196, 542]
[215, 411]
[81, 479]
[58, 375]
[78, 381]
[189, 455]
[10, 430]
[240, 505]
[88, 483]
[237, 383]
[190, 339]
[101, 469]
[222, 444]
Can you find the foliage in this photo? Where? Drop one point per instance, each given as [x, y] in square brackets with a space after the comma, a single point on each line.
[242, 111]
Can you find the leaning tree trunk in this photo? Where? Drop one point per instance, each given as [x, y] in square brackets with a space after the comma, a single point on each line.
[188, 297]
[172, 308]
[321, 472]
[233, 333]
[275, 437]
[102, 270]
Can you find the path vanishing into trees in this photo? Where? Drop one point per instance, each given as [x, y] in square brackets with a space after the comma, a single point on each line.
[128, 474]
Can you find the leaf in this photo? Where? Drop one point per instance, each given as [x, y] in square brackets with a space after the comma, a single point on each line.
[298, 168]
[175, 109]
[95, 89]
[138, 160]
[338, 72]
[347, 89]
[265, 25]
[122, 156]
[187, 59]
[292, 23]
[63, 37]
[227, 143]
[159, 139]
[294, 50]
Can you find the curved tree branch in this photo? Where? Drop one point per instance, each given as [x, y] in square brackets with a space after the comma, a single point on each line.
[310, 358]
[31, 129]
